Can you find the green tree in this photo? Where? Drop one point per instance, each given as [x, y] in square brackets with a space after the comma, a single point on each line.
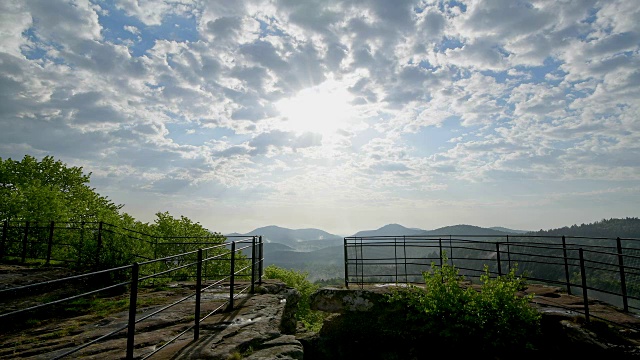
[49, 190]
[180, 235]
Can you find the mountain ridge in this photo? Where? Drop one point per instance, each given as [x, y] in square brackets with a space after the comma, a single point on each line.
[323, 258]
[624, 227]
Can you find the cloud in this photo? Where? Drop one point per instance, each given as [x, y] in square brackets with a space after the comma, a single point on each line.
[152, 12]
[179, 98]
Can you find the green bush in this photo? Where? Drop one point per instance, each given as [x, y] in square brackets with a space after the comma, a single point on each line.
[494, 318]
[311, 319]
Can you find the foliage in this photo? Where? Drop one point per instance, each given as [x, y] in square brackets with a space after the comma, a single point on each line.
[628, 227]
[311, 319]
[180, 235]
[49, 189]
[494, 318]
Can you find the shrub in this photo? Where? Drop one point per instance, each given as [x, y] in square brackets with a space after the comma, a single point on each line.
[310, 319]
[493, 319]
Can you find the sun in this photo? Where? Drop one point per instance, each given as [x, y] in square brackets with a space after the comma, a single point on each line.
[322, 109]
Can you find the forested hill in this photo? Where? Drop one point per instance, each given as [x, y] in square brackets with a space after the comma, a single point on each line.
[623, 228]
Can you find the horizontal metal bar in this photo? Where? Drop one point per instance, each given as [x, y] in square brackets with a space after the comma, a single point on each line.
[63, 300]
[74, 277]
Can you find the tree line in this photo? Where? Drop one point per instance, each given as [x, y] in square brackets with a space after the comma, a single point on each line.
[41, 191]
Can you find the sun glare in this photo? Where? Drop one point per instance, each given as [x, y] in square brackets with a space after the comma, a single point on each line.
[321, 109]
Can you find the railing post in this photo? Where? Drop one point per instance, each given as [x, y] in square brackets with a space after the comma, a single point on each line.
[566, 265]
[404, 246]
[133, 300]
[362, 262]
[5, 230]
[498, 258]
[196, 328]
[156, 265]
[261, 256]
[253, 264]
[440, 249]
[395, 258]
[623, 282]
[99, 247]
[25, 238]
[451, 251]
[508, 254]
[585, 298]
[50, 242]
[232, 277]
[346, 264]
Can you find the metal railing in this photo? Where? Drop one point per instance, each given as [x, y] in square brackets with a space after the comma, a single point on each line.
[86, 245]
[89, 245]
[146, 271]
[607, 269]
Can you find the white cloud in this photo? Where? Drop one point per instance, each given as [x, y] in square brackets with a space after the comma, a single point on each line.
[152, 12]
[132, 29]
[442, 97]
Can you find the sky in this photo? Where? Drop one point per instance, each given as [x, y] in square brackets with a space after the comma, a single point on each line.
[336, 115]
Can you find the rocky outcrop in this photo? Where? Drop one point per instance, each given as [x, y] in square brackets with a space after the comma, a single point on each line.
[363, 324]
[261, 327]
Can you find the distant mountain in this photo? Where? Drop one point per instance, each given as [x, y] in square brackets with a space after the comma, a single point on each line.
[325, 263]
[391, 230]
[510, 231]
[321, 254]
[298, 239]
[399, 230]
[465, 230]
[623, 227]
[276, 247]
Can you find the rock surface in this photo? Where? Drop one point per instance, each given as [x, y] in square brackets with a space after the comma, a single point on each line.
[564, 332]
[261, 326]
[260, 329]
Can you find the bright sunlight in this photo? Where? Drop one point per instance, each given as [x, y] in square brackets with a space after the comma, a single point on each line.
[321, 109]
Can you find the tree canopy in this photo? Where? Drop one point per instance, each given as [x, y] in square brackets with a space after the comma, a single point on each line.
[49, 189]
